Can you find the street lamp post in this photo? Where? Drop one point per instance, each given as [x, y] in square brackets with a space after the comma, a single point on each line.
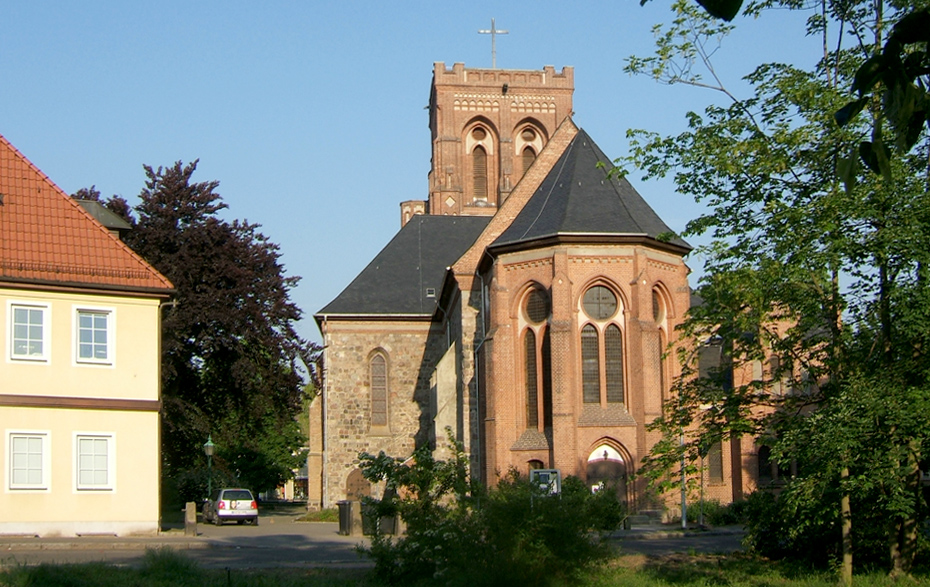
[208, 450]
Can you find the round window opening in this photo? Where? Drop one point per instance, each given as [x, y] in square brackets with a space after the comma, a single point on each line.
[600, 303]
[478, 134]
[537, 306]
[528, 134]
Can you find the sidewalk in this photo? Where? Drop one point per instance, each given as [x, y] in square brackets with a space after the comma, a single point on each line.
[656, 532]
[171, 539]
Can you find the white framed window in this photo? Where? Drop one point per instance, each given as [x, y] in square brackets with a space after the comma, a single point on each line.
[28, 461]
[94, 335]
[94, 459]
[29, 331]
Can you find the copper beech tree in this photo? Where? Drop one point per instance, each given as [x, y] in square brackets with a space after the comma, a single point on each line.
[233, 365]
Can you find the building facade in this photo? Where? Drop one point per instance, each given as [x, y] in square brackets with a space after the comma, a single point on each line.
[528, 305]
[80, 366]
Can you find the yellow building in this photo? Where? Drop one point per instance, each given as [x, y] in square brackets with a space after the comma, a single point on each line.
[79, 366]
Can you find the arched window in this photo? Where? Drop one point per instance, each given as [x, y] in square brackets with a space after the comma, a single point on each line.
[613, 357]
[532, 387]
[659, 315]
[479, 172]
[765, 464]
[529, 155]
[537, 361]
[715, 463]
[601, 348]
[377, 367]
[590, 365]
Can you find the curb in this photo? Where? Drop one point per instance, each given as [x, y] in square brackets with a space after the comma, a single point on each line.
[110, 543]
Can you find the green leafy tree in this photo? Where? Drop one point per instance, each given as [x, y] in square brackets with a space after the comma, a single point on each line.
[818, 281]
[232, 362]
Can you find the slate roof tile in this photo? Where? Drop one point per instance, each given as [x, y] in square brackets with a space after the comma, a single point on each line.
[416, 259]
[580, 197]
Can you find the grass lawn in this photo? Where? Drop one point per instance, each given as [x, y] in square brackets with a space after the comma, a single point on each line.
[167, 568]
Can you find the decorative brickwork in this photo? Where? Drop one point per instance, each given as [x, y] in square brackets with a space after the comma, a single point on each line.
[513, 384]
[505, 103]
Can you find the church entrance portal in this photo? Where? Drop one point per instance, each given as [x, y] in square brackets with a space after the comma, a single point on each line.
[607, 470]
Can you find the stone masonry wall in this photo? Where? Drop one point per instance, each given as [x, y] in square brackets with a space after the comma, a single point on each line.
[412, 350]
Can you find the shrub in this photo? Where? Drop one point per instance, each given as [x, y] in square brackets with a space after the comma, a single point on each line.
[459, 533]
[716, 514]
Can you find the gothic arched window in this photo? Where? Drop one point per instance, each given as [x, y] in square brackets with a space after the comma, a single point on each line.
[479, 173]
[377, 367]
[660, 314]
[529, 155]
[601, 348]
[537, 361]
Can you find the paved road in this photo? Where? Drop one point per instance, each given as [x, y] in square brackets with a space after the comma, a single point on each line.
[650, 542]
[279, 541]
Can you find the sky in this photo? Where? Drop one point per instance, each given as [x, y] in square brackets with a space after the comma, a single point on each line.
[311, 115]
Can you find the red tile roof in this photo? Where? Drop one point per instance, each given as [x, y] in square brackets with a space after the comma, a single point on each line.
[47, 238]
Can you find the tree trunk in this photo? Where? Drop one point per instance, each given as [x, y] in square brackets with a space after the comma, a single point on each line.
[846, 513]
[904, 539]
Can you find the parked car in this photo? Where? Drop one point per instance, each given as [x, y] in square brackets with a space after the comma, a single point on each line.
[231, 504]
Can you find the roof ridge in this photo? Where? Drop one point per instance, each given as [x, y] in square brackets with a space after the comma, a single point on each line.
[563, 162]
[49, 241]
[580, 196]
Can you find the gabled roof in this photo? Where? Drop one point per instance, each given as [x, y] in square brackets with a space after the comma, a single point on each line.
[405, 278]
[47, 238]
[580, 199]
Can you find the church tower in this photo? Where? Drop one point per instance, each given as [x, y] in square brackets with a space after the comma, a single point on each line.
[487, 126]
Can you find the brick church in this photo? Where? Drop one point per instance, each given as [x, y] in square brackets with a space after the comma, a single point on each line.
[526, 304]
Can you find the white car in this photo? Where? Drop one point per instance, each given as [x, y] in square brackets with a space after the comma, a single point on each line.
[231, 504]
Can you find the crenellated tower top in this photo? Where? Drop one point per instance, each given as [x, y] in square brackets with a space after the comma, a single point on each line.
[487, 126]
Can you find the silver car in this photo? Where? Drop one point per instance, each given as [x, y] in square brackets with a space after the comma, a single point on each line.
[231, 504]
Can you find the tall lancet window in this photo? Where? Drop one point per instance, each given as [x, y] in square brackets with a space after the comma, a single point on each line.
[529, 155]
[602, 348]
[537, 362]
[379, 390]
[479, 171]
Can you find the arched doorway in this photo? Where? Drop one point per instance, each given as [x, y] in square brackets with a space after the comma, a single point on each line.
[357, 486]
[607, 469]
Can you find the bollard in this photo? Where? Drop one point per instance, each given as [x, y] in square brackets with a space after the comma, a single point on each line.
[190, 519]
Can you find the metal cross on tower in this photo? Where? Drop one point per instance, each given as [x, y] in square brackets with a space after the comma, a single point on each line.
[493, 32]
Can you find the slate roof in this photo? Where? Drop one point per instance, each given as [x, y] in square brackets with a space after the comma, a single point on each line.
[47, 238]
[578, 199]
[396, 282]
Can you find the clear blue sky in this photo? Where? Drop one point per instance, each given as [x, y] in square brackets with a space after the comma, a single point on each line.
[311, 114]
